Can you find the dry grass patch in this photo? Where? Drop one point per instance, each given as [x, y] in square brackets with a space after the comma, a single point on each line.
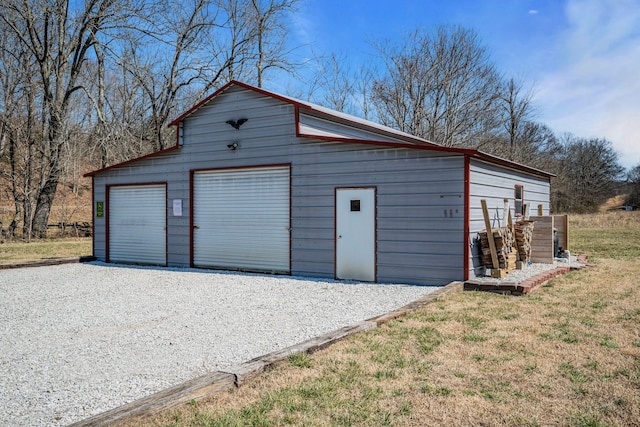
[18, 251]
[567, 354]
[606, 235]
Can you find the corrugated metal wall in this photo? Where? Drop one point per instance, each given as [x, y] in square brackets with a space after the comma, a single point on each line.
[419, 210]
[494, 184]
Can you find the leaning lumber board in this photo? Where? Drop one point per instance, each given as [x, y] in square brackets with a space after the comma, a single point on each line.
[487, 224]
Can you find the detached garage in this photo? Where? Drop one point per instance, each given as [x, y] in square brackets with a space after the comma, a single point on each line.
[262, 182]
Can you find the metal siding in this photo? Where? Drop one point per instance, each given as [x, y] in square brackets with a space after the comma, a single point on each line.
[241, 219]
[414, 189]
[494, 184]
[137, 221]
[321, 126]
[99, 230]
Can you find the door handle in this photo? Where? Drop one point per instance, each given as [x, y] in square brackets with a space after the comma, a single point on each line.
[195, 227]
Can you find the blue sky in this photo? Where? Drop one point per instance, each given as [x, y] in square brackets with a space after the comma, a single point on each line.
[582, 57]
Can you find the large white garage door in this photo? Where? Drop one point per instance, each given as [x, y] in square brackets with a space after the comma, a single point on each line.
[241, 219]
[137, 223]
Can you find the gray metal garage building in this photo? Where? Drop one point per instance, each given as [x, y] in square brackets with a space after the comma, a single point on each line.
[262, 182]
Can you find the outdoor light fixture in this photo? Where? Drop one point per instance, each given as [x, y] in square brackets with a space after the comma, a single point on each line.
[236, 123]
[232, 146]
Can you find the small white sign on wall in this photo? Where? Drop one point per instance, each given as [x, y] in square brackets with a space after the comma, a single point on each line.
[177, 207]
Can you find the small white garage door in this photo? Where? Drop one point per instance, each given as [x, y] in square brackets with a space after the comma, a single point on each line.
[241, 219]
[137, 224]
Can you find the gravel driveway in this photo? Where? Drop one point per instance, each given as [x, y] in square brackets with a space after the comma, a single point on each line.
[79, 339]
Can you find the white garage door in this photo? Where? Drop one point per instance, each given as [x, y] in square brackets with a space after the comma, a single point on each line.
[137, 224]
[241, 219]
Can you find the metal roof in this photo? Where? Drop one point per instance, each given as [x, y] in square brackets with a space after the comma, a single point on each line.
[407, 140]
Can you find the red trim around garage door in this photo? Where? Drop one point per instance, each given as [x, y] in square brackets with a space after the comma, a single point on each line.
[107, 214]
[192, 172]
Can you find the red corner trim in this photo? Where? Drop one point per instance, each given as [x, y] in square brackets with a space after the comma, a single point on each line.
[467, 216]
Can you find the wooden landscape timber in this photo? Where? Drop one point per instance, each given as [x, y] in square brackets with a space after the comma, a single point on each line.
[495, 263]
[48, 261]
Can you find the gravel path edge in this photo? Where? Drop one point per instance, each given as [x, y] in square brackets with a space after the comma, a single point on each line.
[236, 376]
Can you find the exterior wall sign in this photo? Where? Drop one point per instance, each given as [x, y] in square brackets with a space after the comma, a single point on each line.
[177, 207]
[99, 209]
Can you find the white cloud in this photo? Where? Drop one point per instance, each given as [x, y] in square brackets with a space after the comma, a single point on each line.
[533, 12]
[594, 90]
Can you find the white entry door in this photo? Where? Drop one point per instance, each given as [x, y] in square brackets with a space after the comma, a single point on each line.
[356, 234]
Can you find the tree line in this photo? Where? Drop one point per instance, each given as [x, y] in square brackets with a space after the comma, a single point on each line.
[88, 84]
[442, 85]
[92, 83]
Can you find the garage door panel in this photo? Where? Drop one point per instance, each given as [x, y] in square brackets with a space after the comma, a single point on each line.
[137, 224]
[241, 219]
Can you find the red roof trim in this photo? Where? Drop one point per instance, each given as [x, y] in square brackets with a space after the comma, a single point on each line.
[389, 144]
[512, 165]
[297, 106]
[126, 162]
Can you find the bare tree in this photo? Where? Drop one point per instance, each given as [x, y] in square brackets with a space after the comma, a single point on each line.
[633, 179]
[333, 84]
[441, 86]
[57, 39]
[270, 31]
[515, 109]
[165, 53]
[19, 130]
[588, 170]
[337, 84]
[234, 47]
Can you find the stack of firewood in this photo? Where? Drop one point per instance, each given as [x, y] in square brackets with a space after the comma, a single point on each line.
[523, 232]
[504, 241]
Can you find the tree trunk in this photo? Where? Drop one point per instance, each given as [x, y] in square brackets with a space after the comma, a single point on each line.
[50, 179]
[44, 203]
